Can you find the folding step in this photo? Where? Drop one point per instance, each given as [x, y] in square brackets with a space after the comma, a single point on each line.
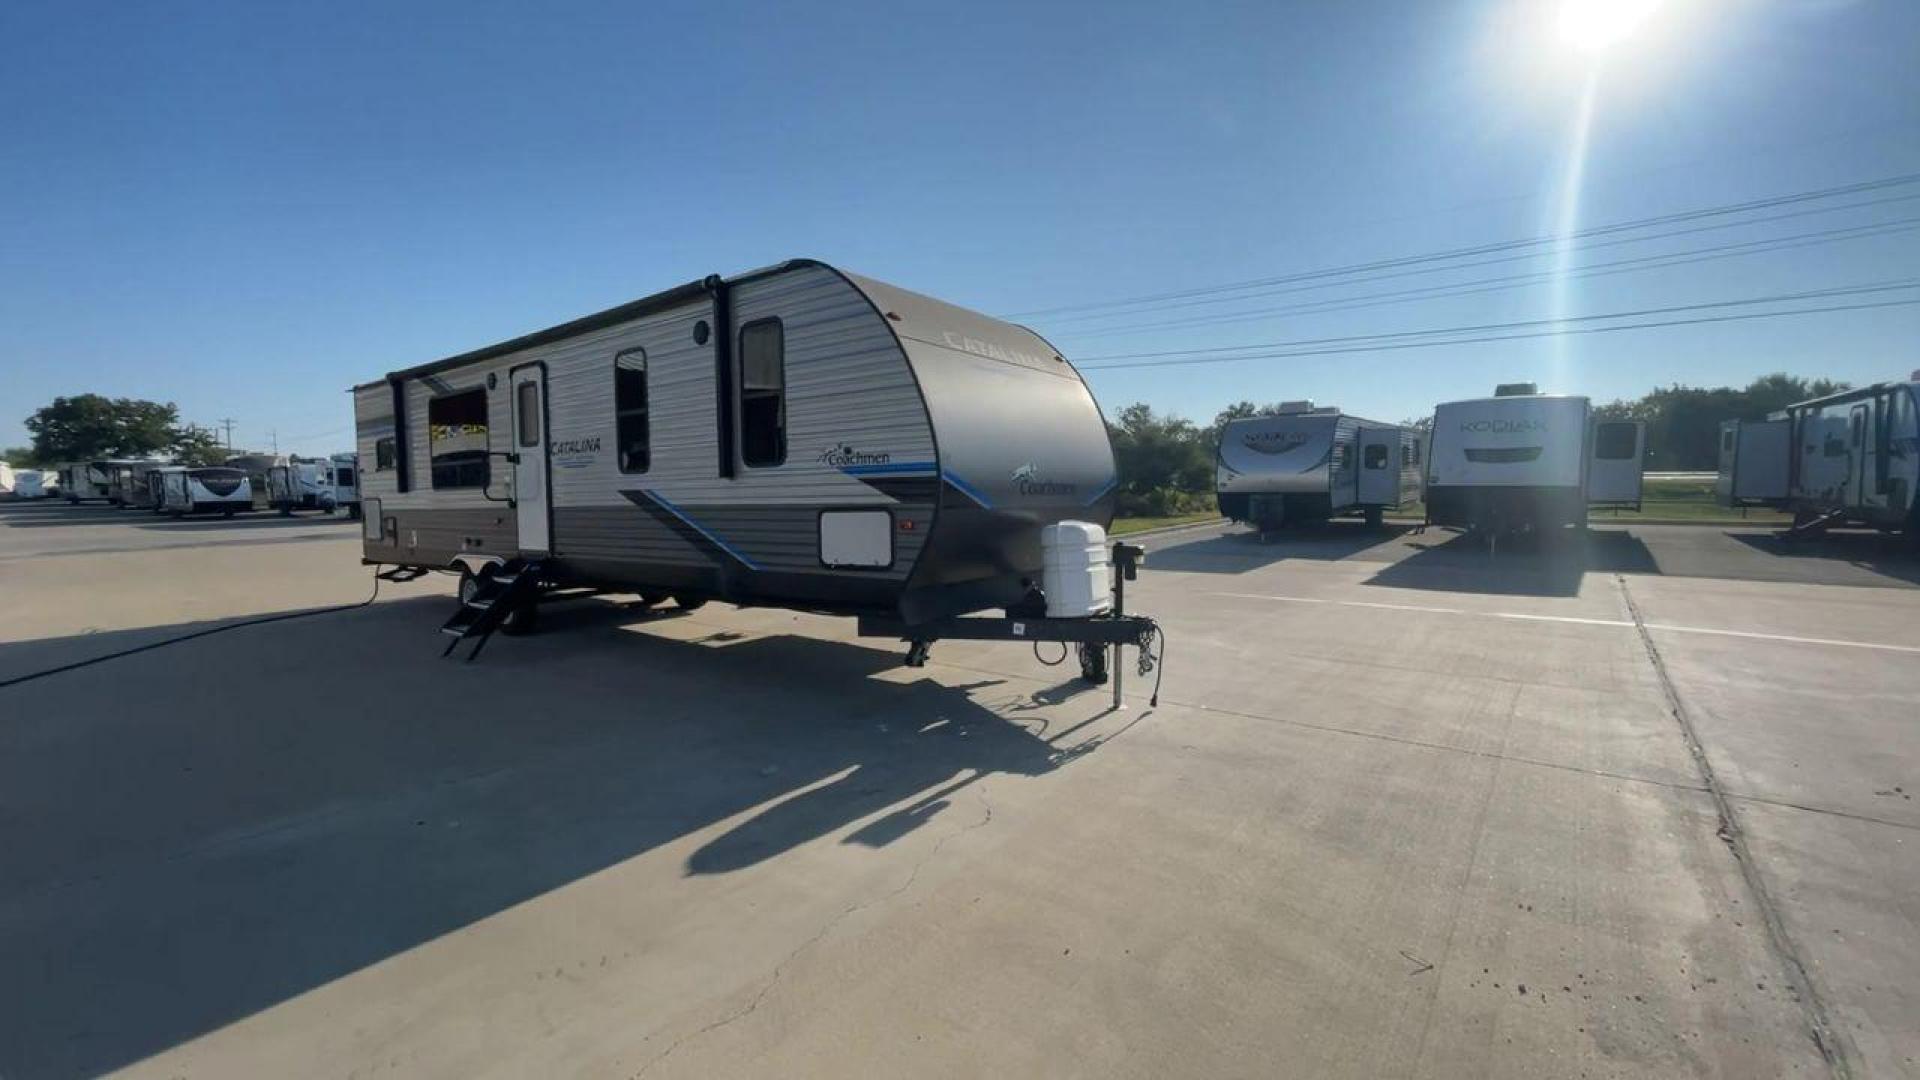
[494, 598]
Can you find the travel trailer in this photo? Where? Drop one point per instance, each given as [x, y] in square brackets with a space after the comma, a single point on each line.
[1310, 464]
[346, 482]
[255, 466]
[794, 437]
[6, 481]
[134, 486]
[1755, 461]
[85, 481]
[210, 490]
[35, 484]
[1523, 461]
[300, 484]
[1847, 458]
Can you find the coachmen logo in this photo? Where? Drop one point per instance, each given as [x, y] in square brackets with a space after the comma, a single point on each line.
[1503, 427]
[1029, 482]
[845, 456]
[1274, 442]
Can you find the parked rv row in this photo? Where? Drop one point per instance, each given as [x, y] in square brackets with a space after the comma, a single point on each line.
[1514, 462]
[1851, 458]
[244, 482]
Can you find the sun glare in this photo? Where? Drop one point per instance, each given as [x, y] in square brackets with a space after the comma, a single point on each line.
[1596, 25]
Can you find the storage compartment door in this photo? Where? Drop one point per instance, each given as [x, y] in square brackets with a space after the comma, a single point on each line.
[1614, 456]
[856, 539]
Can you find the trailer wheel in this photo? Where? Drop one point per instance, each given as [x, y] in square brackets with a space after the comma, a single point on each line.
[652, 599]
[227, 513]
[469, 584]
[1093, 663]
[286, 511]
[1376, 517]
[524, 619]
[689, 603]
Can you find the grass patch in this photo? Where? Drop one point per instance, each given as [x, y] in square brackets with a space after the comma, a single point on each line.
[1125, 525]
[1660, 500]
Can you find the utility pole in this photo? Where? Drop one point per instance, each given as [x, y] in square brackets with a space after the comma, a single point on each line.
[227, 422]
[274, 435]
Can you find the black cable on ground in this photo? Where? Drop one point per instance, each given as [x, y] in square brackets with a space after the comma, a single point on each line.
[209, 632]
[1064, 650]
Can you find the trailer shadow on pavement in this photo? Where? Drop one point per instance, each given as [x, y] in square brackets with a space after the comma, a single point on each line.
[245, 838]
[1889, 554]
[1552, 564]
[1239, 549]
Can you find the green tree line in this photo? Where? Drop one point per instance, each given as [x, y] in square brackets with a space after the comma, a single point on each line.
[90, 426]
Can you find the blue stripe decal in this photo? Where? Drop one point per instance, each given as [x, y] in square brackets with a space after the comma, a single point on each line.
[966, 489]
[1102, 493]
[888, 470]
[702, 530]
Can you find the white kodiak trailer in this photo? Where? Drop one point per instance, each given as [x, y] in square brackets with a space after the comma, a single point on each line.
[1312, 463]
[1851, 458]
[1525, 461]
[795, 436]
[210, 490]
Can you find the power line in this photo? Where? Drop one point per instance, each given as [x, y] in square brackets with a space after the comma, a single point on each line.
[1444, 269]
[1780, 298]
[1511, 281]
[1507, 337]
[1504, 245]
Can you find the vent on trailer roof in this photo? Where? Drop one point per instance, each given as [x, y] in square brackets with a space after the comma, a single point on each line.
[1516, 389]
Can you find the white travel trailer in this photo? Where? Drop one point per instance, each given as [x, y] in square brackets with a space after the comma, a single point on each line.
[1310, 464]
[210, 490]
[135, 487]
[346, 482]
[6, 481]
[35, 484]
[792, 437]
[300, 484]
[1522, 460]
[1847, 458]
[86, 481]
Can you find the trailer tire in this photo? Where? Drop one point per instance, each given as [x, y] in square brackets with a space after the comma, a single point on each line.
[524, 619]
[653, 599]
[1093, 663]
[286, 511]
[689, 603]
[227, 513]
[469, 584]
[1376, 517]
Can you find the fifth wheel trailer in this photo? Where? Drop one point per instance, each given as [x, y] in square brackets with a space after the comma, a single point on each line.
[1522, 460]
[796, 436]
[1308, 463]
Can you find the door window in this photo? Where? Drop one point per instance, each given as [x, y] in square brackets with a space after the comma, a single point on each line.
[1376, 456]
[633, 434]
[763, 393]
[526, 412]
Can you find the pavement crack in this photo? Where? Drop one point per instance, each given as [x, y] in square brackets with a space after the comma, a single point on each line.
[1826, 1038]
[779, 969]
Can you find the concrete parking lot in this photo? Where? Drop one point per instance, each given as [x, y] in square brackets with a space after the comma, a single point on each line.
[1633, 807]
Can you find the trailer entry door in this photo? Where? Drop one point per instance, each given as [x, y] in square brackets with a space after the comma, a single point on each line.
[1614, 461]
[532, 499]
[1379, 483]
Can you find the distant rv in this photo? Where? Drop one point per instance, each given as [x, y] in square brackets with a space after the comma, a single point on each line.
[85, 481]
[1524, 461]
[211, 490]
[1311, 464]
[1847, 458]
[35, 484]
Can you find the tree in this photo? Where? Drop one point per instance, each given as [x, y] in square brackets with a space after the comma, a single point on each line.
[1164, 461]
[197, 446]
[92, 426]
[20, 457]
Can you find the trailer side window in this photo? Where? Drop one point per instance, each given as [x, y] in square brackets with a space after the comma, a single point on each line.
[632, 434]
[1614, 442]
[383, 454]
[1726, 441]
[763, 393]
[457, 439]
[1376, 456]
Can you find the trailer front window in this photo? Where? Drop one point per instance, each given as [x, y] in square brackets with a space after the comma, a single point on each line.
[457, 439]
[631, 431]
[763, 393]
[1614, 442]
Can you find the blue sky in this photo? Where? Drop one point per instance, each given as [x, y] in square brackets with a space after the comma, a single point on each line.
[245, 208]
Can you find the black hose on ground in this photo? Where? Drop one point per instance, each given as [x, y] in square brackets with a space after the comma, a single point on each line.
[208, 632]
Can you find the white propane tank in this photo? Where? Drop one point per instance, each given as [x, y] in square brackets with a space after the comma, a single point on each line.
[1076, 575]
